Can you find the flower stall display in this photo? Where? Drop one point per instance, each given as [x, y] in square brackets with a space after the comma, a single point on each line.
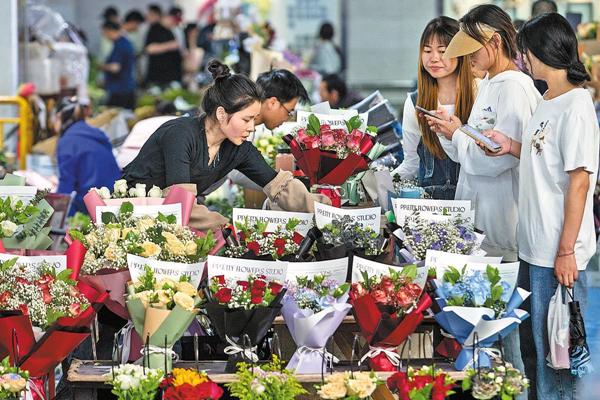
[497, 383]
[163, 310]
[477, 304]
[13, 380]
[387, 310]
[267, 382]
[50, 312]
[328, 156]
[256, 242]
[238, 308]
[349, 385]
[190, 384]
[424, 383]
[313, 309]
[134, 382]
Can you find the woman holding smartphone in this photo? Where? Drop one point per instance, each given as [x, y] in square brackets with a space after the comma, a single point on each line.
[558, 170]
[447, 83]
[505, 100]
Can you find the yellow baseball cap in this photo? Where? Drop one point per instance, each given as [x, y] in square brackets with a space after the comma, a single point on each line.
[462, 43]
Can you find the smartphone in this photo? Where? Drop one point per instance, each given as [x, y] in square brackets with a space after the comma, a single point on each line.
[424, 111]
[481, 138]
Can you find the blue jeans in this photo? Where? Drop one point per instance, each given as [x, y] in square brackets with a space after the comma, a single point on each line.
[546, 383]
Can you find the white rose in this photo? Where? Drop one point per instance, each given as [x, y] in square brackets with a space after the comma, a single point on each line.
[8, 228]
[104, 192]
[120, 187]
[155, 192]
[257, 388]
[138, 191]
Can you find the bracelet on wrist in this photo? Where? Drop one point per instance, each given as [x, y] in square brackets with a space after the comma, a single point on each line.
[510, 146]
[565, 254]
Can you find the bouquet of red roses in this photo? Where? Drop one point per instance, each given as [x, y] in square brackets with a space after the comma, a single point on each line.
[329, 156]
[242, 308]
[387, 310]
[423, 383]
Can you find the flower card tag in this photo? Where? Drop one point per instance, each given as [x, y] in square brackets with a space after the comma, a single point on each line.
[164, 269]
[370, 217]
[336, 120]
[138, 211]
[34, 262]
[336, 270]
[275, 218]
[240, 268]
[404, 208]
[374, 268]
[24, 193]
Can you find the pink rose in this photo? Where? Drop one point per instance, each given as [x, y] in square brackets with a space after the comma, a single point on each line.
[302, 135]
[74, 291]
[380, 296]
[387, 284]
[327, 138]
[75, 310]
[311, 142]
[404, 297]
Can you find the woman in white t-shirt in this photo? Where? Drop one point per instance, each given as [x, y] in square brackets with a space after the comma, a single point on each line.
[558, 171]
[505, 100]
[447, 83]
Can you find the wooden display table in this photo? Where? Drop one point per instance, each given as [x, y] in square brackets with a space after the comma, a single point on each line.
[86, 377]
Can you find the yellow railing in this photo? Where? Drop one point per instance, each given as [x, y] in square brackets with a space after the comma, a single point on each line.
[25, 121]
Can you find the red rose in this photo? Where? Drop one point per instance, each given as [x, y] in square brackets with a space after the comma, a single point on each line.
[302, 135]
[219, 279]
[165, 383]
[264, 278]
[24, 309]
[74, 291]
[223, 295]
[259, 284]
[420, 381]
[414, 289]
[388, 285]
[311, 142]
[440, 389]
[45, 279]
[22, 280]
[253, 246]
[74, 310]
[265, 234]
[4, 297]
[404, 297]
[243, 236]
[279, 245]
[256, 296]
[182, 392]
[244, 284]
[275, 287]
[209, 390]
[46, 293]
[358, 289]
[297, 238]
[380, 296]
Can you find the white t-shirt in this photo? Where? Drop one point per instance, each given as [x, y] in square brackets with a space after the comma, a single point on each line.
[411, 135]
[561, 136]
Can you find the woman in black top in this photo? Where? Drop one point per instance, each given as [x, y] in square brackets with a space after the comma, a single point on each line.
[200, 151]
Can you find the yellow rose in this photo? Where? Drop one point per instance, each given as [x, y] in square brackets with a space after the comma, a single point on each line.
[361, 387]
[150, 250]
[165, 283]
[337, 377]
[184, 301]
[89, 256]
[91, 238]
[112, 235]
[191, 248]
[143, 296]
[125, 231]
[112, 252]
[17, 385]
[187, 288]
[163, 296]
[144, 223]
[174, 245]
[333, 390]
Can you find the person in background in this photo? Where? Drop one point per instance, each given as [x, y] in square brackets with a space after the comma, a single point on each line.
[173, 21]
[136, 31]
[110, 14]
[447, 83]
[326, 57]
[162, 48]
[142, 130]
[84, 154]
[334, 90]
[543, 6]
[118, 68]
[192, 57]
[558, 171]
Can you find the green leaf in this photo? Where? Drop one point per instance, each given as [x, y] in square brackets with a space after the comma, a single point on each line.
[9, 264]
[64, 274]
[171, 219]
[108, 217]
[126, 207]
[466, 384]
[372, 129]
[451, 276]
[314, 125]
[410, 271]
[497, 292]
[355, 122]
[76, 234]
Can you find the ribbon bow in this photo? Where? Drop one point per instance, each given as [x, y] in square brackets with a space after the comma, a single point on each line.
[326, 186]
[151, 349]
[235, 348]
[490, 351]
[327, 356]
[389, 352]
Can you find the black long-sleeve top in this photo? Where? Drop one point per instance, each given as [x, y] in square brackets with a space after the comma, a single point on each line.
[178, 153]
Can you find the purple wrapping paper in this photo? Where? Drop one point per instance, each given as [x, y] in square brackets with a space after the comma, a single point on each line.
[311, 331]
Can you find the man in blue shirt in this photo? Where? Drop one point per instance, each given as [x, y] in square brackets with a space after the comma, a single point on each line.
[118, 68]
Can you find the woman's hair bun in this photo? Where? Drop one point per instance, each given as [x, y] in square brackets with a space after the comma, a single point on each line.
[577, 73]
[218, 70]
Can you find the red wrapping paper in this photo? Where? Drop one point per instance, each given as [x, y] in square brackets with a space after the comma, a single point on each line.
[381, 329]
[449, 348]
[333, 194]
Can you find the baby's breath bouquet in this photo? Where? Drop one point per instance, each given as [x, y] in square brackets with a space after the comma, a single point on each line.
[265, 383]
[131, 382]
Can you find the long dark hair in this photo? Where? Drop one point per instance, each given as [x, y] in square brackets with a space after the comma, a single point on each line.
[232, 92]
[444, 28]
[550, 38]
[498, 19]
[70, 111]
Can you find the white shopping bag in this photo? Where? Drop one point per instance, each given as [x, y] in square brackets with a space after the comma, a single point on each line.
[558, 330]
